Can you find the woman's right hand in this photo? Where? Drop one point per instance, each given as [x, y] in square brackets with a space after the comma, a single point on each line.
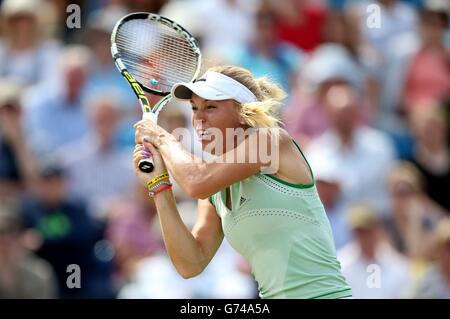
[143, 152]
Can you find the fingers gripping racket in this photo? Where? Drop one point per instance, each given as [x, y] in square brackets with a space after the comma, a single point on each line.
[153, 53]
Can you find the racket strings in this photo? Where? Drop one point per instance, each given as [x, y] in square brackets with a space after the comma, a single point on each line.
[148, 72]
[165, 35]
[178, 52]
[174, 62]
[153, 51]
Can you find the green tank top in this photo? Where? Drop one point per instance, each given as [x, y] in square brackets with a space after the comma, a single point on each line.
[282, 230]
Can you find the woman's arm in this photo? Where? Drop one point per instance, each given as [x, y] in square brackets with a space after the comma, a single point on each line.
[189, 251]
[200, 179]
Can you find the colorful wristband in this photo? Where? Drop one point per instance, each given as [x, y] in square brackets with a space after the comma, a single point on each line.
[159, 190]
[159, 184]
[157, 179]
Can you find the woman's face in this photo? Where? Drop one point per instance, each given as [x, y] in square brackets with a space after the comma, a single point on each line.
[211, 119]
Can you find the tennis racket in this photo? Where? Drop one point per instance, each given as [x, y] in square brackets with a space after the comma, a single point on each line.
[153, 53]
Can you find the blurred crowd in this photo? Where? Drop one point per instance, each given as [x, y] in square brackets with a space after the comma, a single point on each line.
[368, 87]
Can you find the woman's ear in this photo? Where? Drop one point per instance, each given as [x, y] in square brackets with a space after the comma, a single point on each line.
[239, 109]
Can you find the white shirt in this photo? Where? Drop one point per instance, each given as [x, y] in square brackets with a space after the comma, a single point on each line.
[385, 277]
[362, 167]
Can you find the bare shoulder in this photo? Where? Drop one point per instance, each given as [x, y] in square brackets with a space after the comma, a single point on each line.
[293, 167]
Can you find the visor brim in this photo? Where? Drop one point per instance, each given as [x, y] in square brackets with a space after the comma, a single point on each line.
[183, 91]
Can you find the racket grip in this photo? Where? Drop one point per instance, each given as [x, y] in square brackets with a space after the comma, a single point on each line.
[146, 165]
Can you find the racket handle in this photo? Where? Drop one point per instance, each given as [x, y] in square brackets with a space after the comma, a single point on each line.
[146, 165]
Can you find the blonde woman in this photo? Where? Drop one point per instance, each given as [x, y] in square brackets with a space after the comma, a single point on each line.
[276, 221]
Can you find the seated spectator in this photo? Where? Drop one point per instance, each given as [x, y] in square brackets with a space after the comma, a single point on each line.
[227, 30]
[299, 17]
[427, 77]
[133, 230]
[68, 234]
[414, 214]
[23, 275]
[30, 58]
[372, 267]
[362, 155]
[17, 171]
[305, 116]
[416, 73]
[98, 169]
[396, 18]
[266, 55]
[436, 282]
[103, 74]
[328, 184]
[56, 117]
[431, 152]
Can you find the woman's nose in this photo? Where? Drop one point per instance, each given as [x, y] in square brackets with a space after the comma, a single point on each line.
[200, 116]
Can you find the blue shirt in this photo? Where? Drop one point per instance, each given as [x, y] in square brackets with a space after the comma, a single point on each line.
[51, 121]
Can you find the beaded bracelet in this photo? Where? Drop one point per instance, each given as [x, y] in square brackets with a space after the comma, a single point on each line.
[159, 184]
[157, 179]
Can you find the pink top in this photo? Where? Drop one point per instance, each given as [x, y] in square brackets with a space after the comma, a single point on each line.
[428, 78]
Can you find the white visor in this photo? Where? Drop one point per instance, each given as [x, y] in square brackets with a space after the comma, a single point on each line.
[214, 86]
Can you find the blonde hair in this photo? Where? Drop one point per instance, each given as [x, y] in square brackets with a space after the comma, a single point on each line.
[262, 113]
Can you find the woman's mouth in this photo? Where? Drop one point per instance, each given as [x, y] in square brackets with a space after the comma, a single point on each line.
[204, 135]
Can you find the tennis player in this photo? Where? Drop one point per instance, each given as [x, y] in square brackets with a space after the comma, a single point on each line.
[276, 221]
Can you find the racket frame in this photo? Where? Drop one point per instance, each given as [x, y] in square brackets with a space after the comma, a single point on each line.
[149, 112]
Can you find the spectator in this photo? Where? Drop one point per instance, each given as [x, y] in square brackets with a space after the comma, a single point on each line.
[228, 30]
[362, 155]
[342, 29]
[68, 234]
[427, 78]
[266, 55]
[300, 17]
[22, 274]
[415, 215]
[432, 153]
[17, 171]
[395, 18]
[103, 74]
[30, 58]
[305, 116]
[98, 169]
[328, 183]
[416, 73]
[133, 229]
[371, 266]
[436, 282]
[63, 105]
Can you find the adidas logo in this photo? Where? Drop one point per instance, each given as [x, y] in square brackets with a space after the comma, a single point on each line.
[242, 200]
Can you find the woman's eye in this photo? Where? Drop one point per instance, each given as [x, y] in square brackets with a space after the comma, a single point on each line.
[194, 108]
[211, 107]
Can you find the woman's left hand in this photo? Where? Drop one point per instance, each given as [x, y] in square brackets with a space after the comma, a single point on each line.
[149, 130]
